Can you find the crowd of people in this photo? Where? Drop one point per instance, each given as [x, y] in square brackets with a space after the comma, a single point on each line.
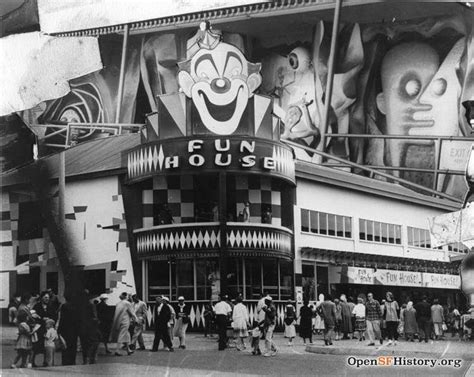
[375, 321]
[45, 325]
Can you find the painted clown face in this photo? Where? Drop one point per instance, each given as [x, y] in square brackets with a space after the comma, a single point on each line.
[219, 82]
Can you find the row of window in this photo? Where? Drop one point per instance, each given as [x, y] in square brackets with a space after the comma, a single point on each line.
[198, 279]
[372, 231]
[421, 238]
[326, 223]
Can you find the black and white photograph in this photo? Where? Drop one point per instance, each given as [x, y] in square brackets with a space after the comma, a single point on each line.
[237, 188]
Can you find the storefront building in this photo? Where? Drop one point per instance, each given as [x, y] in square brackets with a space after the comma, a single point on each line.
[203, 158]
[376, 240]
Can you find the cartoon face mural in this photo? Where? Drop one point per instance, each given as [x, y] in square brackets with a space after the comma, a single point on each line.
[220, 82]
[419, 96]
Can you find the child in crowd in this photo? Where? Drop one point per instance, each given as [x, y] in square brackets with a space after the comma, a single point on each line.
[49, 343]
[256, 334]
[23, 343]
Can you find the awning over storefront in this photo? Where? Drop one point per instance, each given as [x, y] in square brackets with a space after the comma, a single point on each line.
[36, 68]
[349, 258]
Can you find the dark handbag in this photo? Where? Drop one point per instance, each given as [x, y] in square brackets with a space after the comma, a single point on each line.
[60, 343]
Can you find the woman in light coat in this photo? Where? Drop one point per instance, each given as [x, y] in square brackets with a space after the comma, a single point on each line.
[240, 323]
[408, 319]
[121, 323]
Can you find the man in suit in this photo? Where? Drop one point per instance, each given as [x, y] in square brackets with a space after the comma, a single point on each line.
[162, 323]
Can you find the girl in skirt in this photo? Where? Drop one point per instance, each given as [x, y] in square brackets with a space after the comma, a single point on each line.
[359, 312]
[23, 343]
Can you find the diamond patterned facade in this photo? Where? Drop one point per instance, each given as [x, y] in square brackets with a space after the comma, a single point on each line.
[164, 241]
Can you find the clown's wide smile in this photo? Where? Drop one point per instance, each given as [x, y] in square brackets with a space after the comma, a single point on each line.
[221, 113]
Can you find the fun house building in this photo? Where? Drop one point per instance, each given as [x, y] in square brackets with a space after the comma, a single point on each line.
[205, 157]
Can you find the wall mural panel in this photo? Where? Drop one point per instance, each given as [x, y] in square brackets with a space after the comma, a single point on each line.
[398, 78]
[92, 99]
[390, 79]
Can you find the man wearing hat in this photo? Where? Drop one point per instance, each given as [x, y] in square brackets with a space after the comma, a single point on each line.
[140, 311]
[162, 315]
[223, 311]
[182, 320]
[105, 314]
[270, 322]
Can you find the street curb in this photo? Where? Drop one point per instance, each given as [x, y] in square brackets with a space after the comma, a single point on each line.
[383, 351]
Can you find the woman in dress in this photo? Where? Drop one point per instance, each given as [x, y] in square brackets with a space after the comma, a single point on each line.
[346, 325]
[119, 333]
[359, 313]
[290, 321]
[410, 326]
[240, 323]
[306, 322]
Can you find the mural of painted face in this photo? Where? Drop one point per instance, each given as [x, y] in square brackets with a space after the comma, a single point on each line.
[419, 97]
[220, 82]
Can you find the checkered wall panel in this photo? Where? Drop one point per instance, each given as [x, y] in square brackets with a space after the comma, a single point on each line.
[261, 192]
[175, 191]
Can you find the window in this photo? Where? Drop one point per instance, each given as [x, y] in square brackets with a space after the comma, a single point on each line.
[234, 276]
[458, 247]
[206, 279]
[326, 223]
[305, 220]
[253, 278]
[158, 279]
[376, 231]
[270, 276]
[185, 279]
[286, 280]
[419, 237]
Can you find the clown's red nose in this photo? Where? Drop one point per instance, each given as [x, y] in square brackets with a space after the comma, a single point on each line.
[220, 85]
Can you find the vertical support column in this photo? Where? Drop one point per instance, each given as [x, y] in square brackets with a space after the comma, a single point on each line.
[437, 146]
[144, 281]
[330, 78]
[223, 252]
[65, 266]
[297, 264]
[122, 73]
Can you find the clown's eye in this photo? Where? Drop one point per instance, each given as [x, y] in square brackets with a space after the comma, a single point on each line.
[412, 88]
[236, 72]
[204, 76]
[293, 61]
[439, 87]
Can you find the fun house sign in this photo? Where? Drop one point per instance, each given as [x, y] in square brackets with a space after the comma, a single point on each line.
[215, 122]
[371, 276]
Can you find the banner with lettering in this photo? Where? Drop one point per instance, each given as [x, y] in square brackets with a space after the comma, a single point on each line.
[398, 278]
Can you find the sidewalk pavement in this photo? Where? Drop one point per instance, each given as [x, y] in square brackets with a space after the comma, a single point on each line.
[447, 348]
[451, 347]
